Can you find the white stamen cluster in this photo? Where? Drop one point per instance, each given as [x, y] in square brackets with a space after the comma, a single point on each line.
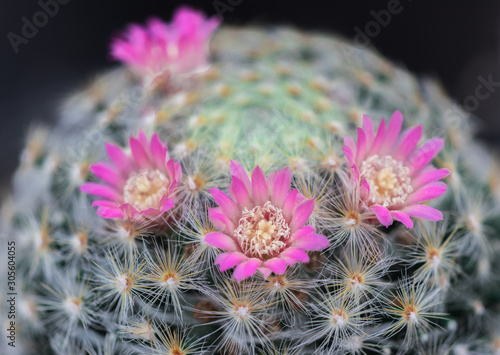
[191, 184]
[139, 330]
[169, 283]
[389, 180]
[262, 231]
[73, 307]
[354, 344]
[145, 190]
[242, 311]
[338, 319]
[355, 283]
[412, 317]
[123, 283]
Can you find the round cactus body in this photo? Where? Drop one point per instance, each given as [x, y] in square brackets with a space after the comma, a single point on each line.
[254, 202]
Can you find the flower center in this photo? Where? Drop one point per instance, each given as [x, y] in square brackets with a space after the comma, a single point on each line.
[389, 180]
[262, 231]
[145, 190]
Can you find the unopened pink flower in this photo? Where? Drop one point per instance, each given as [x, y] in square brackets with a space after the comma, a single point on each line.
[394, 175]
[136, 185]
[262, 224]
[178, 47]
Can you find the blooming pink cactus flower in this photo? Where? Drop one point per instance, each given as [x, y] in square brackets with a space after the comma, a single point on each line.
[137, 185]
[262, 224]
[394, 176]
[179, 47]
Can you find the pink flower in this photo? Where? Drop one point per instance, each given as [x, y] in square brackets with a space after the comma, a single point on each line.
[137, 185]
[393, 175]
[178, 47]
[262, 224]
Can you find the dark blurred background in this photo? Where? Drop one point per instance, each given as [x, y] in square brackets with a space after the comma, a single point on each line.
[454, 41]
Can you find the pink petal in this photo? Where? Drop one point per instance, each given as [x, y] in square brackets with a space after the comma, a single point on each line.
[107, 173]
[109, 213]
[361, 145]
[265, 271]
[289, 204]
[429, 176]
[302, 214]
[368, 129]
[167, 204]
[102, 203]
[240, 192]
[237, 170]
[158, 151]
[175, 174]
[277, 265]
[355, 174]
[220, 220]
[364, 190]
[392, 133]
[304, 231]
[221, 241]
[424, 212]
[349, 154]
[178, 171]
[281, 186]
[311, 242]
[140, 155]
[143, 139]
[129, 210]
[228, 260]
[246, 269]
[300, 199]
[408, 143]
[271, 178]
[260, 191]
[428, 192]
[382, 214]
[403, 218]
[151, 213]
[227, 205]
[425, 154]
[295, 254]
[93, 188]
[119, 159]
[379, 138]
[352, 149]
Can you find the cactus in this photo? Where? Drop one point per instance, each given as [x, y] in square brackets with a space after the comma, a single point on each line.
[254, 202]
